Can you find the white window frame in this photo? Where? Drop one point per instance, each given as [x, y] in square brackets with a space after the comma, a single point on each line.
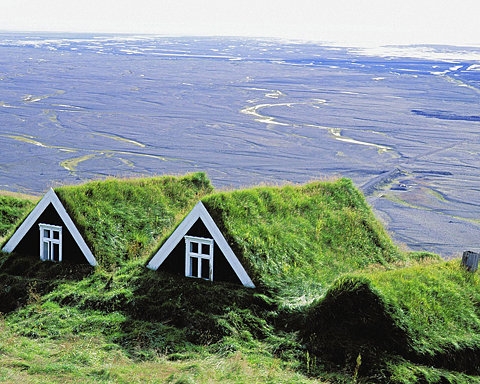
[200, 256]
[48, 241]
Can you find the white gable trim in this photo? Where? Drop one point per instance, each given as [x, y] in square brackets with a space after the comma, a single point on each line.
[200, 212]
[50, 198]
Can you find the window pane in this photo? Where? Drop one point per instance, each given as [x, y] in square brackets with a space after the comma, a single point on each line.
[56, 235]
[55, 252]
[205, 269]
[46, 233]
[194, 247]
[205, 249]
[46, 253]
[194, 267]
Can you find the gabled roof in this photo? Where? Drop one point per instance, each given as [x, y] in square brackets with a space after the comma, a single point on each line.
[50, 198]
[200, 212]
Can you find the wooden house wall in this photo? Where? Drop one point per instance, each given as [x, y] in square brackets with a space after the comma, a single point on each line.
[30, 244]
[175, 262]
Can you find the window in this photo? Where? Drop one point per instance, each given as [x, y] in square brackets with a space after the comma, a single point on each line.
[199, 257]
[50, 242]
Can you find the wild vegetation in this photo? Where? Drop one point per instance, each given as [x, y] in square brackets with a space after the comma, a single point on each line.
[336, 301]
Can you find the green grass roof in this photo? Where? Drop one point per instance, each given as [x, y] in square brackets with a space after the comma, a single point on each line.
[437, 305]
[305, 234]
[291, 238]
[123, 219]
[12, 210]
[427, 312]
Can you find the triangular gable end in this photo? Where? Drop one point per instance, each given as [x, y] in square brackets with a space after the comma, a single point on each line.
[200, 212]
[50, 198]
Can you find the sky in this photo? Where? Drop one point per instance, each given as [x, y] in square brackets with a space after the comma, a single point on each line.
[345, 22]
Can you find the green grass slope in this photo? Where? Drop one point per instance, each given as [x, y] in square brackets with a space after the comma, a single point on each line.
[428, 314]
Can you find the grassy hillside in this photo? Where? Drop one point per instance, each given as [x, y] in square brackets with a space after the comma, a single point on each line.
[374, 319]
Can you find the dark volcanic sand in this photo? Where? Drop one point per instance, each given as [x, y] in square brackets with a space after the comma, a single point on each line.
[405, 130]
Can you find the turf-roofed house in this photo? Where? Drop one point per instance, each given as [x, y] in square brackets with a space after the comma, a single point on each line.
[276, 236]
[49, 233]
[105, 222]
[198, 248]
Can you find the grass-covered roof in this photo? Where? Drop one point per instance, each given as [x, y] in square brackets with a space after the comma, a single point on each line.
[429, 313]
[12, 210]
[123, 219]
[301, 234]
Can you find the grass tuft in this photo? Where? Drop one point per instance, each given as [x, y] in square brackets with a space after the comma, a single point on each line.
[12, 210]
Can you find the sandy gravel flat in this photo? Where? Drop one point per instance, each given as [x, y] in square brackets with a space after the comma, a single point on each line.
[249, 112]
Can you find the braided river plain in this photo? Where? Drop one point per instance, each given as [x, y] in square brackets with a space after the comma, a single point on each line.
[402, 122]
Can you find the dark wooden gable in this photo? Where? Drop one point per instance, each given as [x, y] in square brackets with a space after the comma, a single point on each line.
[175, 261]
[29, 245]
[198, 223]
[50, 211]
